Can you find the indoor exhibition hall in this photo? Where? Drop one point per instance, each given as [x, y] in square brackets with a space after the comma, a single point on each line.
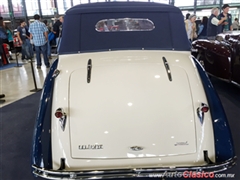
[119, 89]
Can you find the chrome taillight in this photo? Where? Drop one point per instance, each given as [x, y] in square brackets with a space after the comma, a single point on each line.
[61, 115]
[203, 108]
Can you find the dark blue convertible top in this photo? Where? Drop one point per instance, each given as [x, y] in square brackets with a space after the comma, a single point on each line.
[115, 7]
[80, 35]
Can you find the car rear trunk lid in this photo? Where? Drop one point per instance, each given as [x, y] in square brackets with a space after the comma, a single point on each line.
[130, 111]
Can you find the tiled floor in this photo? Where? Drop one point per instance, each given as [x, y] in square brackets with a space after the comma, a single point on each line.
[17, 82]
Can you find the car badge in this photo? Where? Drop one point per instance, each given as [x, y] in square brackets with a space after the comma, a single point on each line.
[181, 143]
[90, 147]
[136, 148]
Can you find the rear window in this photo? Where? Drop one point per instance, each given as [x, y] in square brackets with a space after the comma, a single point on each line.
[125, 31]
[124, 24]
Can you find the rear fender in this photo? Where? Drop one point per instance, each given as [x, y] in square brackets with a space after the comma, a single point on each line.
[223, 138]
[41, 150]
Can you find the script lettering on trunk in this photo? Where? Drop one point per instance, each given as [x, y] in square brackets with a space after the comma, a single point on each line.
[90, 147]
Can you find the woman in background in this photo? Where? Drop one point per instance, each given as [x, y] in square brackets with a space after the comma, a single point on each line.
[202, 31]
[49, 40]
[191, 27]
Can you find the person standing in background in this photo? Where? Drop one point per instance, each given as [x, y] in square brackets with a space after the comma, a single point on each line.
[202, 31]
[3, 39]
[198, 22]
[236, 25]
[227, 24]
[24, 40]
[10, 40]
[29, 45]
[213, 23]
[56, 28]
[10, 37]
[191, 27]
[39, 33]
[3, 35]
[49, 44]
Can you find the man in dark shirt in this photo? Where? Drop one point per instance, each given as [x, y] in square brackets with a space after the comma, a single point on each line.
[213, 23]
[227, 24]
[23, 39]
[56, 28]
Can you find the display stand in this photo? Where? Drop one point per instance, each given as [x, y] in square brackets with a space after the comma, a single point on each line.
[34, 79]
[16, 52]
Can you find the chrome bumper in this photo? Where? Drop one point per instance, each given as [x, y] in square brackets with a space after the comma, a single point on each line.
[128, 173]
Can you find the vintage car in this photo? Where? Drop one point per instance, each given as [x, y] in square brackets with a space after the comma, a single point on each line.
[220, 57]
[126, 98]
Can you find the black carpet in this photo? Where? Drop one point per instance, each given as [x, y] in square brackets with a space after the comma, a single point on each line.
[17, 122]
[16, 126]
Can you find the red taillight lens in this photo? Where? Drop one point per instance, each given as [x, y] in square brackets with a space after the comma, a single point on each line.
[58, 113]
[204, 109]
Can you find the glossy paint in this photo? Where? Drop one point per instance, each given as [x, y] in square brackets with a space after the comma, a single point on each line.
[221, 57]
[130, 102]
[223, 139]
[41, 150]
[129, 97]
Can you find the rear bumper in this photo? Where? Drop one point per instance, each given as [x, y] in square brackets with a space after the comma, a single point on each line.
[128, 173]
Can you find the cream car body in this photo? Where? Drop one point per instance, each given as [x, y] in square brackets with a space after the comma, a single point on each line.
[130, 101]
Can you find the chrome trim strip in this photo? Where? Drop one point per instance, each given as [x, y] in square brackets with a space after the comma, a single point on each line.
[128, 173]
[62, 121]
[167, 68]
[89, 70]
[200, 115]
[235, 83]
[225, 80]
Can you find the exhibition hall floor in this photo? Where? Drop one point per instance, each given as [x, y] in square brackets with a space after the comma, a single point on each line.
[17, 82]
